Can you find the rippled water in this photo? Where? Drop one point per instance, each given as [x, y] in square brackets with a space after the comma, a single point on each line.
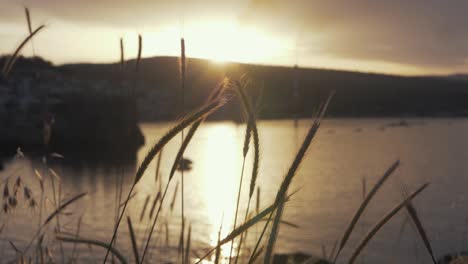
[330, 184]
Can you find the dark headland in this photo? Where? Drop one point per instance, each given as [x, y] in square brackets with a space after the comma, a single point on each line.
[99, 106]
[356, 94]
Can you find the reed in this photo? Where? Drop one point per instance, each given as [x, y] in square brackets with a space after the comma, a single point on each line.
[77, 234]
[363, 206]
[114, 251]
[56, 197]
[382, 222]
[180, 248]
[422, 232]
[252, 126]
[215, 95]
[273, 235]
[187, 246]
[54, 214]
[209, 108]
[174, 196]
[140, 49]
[133, 240]
[158, 167]
[218, 250]
[185, 122]
[29, 22]
[282, 192]
[122, 55]
[145, 205]
[241, 229]
[183, 66]
[251, 129]
[12, 59]
[155, 202]
[166, 227]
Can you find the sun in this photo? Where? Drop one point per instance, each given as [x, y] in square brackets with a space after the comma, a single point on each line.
[217, 40]
[229, 41]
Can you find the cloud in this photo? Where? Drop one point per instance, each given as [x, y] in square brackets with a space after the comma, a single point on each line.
[417, 32]
[424, 33]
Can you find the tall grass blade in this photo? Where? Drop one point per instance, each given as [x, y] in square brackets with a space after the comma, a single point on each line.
[382, 222]
[29, 22]
[218, 250]
[251, 128]
[155, 202]
[171, 206]
[241, 229]
[288, 179]
[122, 55]
[414, 216]
[363, 206]
[145, 205]
[187, 246]
[257, 205]
[114, 251]
[257, 254]
[158, 167]
[273, 235]
[133, 239]
[12, 59]
[181, 240]
[182, 81]
[251, 124]
[140, 49]
[332, 253]
[185, 122]
[28, 19]
[77, 234]
[215, 95]
[63, 206]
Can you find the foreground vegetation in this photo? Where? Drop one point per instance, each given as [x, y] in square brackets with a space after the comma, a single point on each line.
[269, 219]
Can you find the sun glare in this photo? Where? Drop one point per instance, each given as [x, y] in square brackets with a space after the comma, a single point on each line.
[218, 41]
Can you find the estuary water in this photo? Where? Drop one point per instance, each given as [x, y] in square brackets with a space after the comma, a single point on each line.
[345, 160]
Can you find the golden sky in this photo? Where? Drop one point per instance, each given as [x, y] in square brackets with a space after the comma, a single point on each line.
[398, 36]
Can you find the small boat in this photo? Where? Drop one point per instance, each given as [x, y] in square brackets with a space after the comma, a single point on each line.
[185, 164]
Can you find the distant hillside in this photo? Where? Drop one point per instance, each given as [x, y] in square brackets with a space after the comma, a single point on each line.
[357, 94]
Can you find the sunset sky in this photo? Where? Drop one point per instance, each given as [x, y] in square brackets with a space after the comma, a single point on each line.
[400, 36]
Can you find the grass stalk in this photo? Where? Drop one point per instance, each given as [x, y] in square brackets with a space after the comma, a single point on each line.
[363, 206]
[187, 246]
[182, 81]
[382, 222]
[12, 59]
[282, 192]
[57, 205]
[133, 240]
[251, 129]
[77, 234]
[29, 22]
[114, 251]
[237, 206]
[53, 214]
[241, 229]
[416, 220]
[200, 115]
[186, 121]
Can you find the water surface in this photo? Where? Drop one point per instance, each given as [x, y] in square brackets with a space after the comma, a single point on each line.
[344, 154]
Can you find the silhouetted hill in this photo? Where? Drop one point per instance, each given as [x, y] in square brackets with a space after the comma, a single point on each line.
[357, 94]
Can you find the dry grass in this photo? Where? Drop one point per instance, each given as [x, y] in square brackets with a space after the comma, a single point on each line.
[363, 206]
[133, 240]
[272, 214]
[382, 222]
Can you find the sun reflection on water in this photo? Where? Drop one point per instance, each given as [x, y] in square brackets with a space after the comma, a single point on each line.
[220, 176]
